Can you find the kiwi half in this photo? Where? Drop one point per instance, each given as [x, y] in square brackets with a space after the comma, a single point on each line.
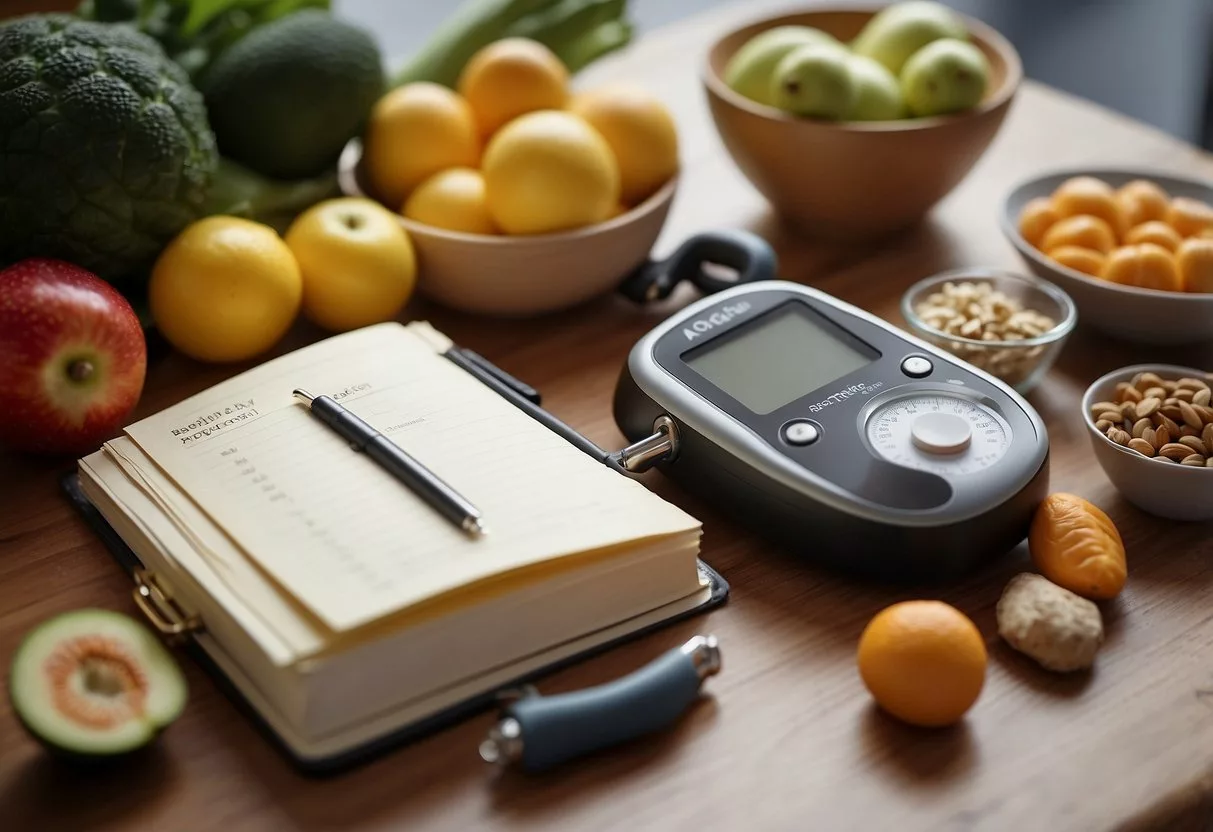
[95, 683]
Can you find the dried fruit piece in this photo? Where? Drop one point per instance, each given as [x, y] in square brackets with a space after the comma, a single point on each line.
[1060, 630]
[1078, 547]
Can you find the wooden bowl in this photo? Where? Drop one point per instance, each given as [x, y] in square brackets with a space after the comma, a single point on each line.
[520, 276]
[1146, 316]
[855, 180]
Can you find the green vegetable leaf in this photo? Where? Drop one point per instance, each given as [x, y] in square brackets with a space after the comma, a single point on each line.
[203, 12]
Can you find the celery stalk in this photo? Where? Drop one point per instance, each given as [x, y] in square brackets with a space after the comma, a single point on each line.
[560, 24]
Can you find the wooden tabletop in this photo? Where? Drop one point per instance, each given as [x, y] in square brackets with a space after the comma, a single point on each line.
[788, 738]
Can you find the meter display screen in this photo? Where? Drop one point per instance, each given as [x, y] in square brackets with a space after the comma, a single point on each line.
[780, 357]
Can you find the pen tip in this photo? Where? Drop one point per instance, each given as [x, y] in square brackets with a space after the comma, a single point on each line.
[474, 526]
[303, 395]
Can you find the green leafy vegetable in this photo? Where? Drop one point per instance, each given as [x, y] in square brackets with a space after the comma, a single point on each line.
[240, 192]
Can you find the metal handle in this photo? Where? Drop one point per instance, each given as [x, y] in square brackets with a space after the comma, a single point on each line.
[162, 611]
[748, 254]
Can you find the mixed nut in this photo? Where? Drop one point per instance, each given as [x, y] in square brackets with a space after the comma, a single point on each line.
[1169, 420]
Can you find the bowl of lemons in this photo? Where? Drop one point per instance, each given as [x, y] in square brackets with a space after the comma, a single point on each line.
[520, 196]
[854, 123]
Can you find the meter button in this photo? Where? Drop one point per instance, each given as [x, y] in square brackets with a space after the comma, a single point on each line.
[915, 366]
[941, 433]
[800, 432]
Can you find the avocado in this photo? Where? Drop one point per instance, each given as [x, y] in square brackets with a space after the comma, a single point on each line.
[95, 683]
[284, 99]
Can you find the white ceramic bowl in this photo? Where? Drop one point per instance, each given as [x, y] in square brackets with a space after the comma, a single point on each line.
[1148, 316]
[1177, 492]
[520, 276]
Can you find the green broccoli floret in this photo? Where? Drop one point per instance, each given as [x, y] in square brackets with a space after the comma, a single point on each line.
[105, 150]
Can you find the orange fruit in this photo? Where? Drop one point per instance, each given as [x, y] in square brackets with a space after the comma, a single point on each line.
[413, 132]
[1156, 232]
[1083, 230]
[509, 78]
[1142, 201]
[1080, 259]
[1189, 217]
[1146, 265]
[1194, 260]
[453, 199]
[1088, 195]
[923, 661]
[1036, 218]
[640, 131]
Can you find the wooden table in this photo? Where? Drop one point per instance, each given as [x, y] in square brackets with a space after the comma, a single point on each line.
[788, 739]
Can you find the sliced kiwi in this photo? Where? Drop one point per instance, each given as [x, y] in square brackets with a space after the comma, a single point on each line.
[94, 683]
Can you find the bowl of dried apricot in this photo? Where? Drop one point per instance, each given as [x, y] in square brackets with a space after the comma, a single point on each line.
[1011, 325]
[1151, 426]
[1133, 248]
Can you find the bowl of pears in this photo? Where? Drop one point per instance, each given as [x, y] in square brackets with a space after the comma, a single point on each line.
[855, 123]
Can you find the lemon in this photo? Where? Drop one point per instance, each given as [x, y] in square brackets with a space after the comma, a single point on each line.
[454, 200]
[358, 263]
[413, 132]
[641, 133]
[549, 171]
[511, 77]
[226, 289]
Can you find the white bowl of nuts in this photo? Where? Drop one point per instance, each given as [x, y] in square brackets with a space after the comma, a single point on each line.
[1151, 426]
[1011, 325]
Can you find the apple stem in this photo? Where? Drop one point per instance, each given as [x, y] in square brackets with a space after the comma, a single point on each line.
[80, 370]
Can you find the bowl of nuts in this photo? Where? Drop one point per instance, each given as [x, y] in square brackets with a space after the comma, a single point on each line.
[1010, 325]
[1151, 426]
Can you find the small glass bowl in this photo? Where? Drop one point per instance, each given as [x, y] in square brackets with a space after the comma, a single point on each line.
[1019, 363]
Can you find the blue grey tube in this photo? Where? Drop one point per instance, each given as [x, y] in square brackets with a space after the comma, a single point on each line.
[553, 729]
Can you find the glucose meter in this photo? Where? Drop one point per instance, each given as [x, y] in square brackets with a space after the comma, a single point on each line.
[848, 439]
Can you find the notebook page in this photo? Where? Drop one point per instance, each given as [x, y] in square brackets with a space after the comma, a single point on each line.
[350, 542]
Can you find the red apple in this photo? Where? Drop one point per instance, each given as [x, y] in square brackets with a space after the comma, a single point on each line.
[72, 358]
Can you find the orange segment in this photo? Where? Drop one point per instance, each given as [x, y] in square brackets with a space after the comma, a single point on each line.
[924, 662]
[1090, 196]
[1146, 266]
[1142, 201]
[1195, 262]
[1156, 232]
[1036, 218]
[1080, 259]
[1083, 230]
[1189, 216]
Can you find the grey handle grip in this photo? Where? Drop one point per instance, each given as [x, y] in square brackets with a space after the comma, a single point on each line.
[557, 728]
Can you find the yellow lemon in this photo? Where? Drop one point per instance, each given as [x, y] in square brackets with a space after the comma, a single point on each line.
[226, 289]
[549, 171]
[358, 263]
[641, 133]
[511, 77]
[413, 132]
[454, 200]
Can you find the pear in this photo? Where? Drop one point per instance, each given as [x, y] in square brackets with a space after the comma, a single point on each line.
[878, 93]
[751, 68]
[945, 76]
[898, 31]
[814, 81]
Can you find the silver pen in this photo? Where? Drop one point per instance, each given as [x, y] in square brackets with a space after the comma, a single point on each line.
[393, 459]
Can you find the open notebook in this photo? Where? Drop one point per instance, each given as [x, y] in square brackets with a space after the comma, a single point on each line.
[341, 605]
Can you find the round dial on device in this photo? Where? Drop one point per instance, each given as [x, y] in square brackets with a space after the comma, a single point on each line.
[939, 433]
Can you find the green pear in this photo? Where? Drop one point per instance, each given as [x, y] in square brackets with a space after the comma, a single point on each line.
[750, 69]
[814, 81]
[878, 94]
[898, 31]
[945, 76]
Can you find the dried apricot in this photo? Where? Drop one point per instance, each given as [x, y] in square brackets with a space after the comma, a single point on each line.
[1142, 201]
[1036, 218]
[1083, 230]
[1189, 216]
[1195, 261]
[1146, 266]
[1076, 546]
[1085, 260]
[1156, 232]
[1087, 195]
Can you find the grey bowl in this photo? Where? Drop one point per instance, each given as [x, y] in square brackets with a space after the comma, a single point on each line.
[1148, 316]
[1176, 492]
